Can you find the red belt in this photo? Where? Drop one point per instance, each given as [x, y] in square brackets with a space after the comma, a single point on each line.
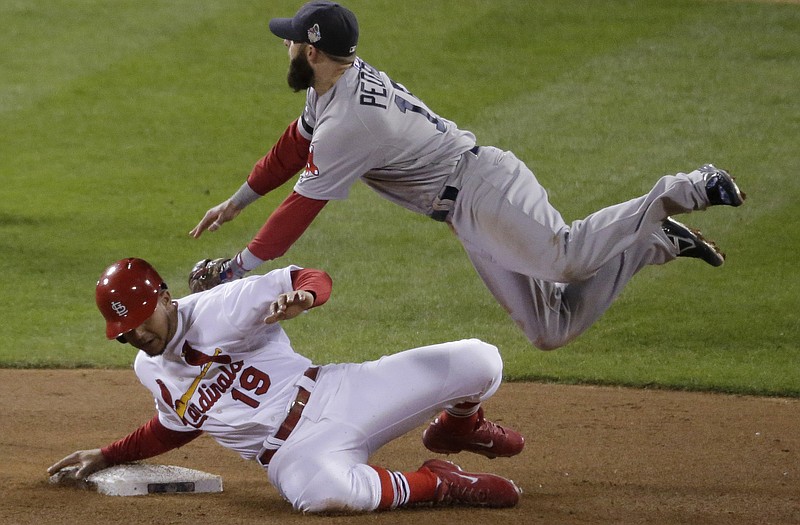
[295, 410]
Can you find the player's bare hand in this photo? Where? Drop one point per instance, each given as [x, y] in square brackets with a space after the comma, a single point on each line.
[216, 217]
[87, 461]
[289, 305]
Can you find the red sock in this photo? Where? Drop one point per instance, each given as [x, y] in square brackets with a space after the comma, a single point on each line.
[461, 418]
[403, 488]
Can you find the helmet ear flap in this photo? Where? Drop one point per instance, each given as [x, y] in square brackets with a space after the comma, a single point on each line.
[127, 294]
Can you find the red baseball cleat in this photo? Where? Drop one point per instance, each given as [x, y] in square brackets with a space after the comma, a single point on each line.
[487, 439]
[457, 487]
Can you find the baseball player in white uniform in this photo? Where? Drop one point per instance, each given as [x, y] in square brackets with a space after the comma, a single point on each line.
[219, 362]
[555, 279]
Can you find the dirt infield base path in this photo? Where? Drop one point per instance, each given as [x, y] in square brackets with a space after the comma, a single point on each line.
[593, 455]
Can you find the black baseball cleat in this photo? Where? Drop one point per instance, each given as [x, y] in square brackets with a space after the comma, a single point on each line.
[691, 243]
[720, 187]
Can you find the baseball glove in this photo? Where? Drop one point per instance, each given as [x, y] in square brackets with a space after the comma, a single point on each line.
[209, 273]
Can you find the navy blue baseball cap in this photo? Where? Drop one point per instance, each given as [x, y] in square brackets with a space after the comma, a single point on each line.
[327, 26]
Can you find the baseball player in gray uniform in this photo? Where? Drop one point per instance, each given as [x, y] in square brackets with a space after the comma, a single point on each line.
[555, 279]
[219, 362]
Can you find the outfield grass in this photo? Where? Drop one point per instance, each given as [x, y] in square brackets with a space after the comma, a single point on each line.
[123, 121]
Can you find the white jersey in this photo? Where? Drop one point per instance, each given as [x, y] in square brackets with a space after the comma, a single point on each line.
[368, 126]
[225, 371]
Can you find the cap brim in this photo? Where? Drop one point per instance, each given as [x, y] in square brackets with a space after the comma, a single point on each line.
[284, 28]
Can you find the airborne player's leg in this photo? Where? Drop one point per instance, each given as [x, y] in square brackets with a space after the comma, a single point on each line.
[503, 211]
[556, 279]
[553, 314]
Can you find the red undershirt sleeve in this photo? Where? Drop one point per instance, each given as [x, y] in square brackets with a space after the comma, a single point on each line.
[284, 160]
[286, 224]
[317, 282]
[147, 441]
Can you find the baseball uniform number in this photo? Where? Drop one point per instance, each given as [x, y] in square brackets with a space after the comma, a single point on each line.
[404, 105]
[254, 380]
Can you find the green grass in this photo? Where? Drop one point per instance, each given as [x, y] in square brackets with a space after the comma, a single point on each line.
[122, 122]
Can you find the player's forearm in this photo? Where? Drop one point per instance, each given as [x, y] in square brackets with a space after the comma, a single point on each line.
[317, 282]
[284, 160]
[286, 224]
[147, 441]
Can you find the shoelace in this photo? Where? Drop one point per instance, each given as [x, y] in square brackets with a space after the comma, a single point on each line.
[489, 426]
[457, 493]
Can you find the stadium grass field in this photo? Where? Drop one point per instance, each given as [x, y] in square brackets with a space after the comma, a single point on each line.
[123, 121]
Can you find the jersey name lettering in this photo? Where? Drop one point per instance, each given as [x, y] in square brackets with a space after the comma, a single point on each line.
[210, 393]
[373, 89]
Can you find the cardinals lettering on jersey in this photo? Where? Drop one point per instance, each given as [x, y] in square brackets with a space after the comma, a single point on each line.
[192, 413]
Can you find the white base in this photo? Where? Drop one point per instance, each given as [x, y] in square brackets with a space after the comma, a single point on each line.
[141, 479]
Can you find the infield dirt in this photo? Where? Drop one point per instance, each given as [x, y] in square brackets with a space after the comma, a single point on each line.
[593, 455]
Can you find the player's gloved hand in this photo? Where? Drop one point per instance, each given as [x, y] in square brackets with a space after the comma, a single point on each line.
[289, 305]
[216, 217]
[88, 462]
[208, 273]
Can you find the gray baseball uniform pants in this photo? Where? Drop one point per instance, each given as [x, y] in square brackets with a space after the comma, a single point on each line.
[556, 279]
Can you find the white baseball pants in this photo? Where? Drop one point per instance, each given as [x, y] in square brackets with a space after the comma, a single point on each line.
[355, 409]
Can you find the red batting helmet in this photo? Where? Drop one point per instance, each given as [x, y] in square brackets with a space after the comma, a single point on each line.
[127, 295]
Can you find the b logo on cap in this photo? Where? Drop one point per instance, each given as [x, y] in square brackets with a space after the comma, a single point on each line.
[314, 35]
[119, 308]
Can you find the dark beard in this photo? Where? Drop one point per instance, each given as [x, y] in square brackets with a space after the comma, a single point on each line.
[300, 76]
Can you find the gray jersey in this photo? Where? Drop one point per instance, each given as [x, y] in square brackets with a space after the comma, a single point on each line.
[368, 126]
[555, 279]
